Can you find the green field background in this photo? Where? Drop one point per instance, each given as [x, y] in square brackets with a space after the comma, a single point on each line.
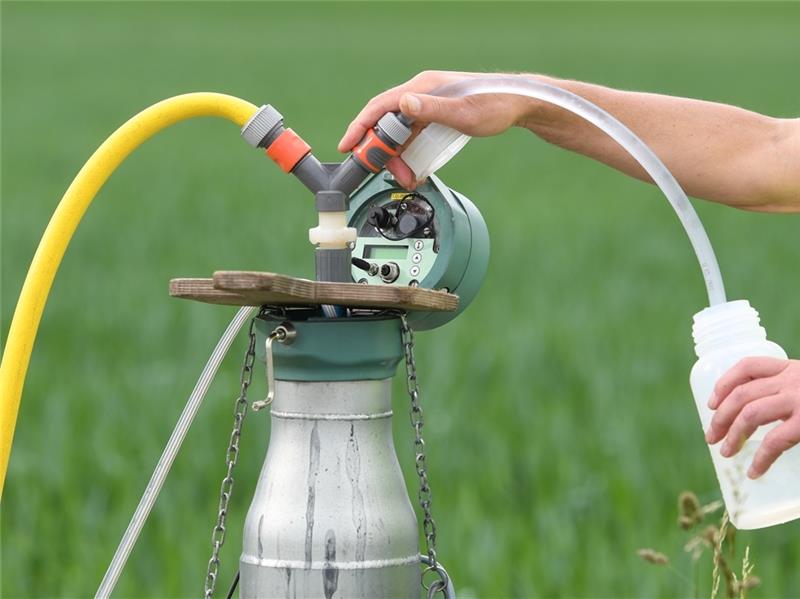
[559, 420]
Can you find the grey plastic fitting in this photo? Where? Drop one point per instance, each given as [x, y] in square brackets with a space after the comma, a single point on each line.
[348, 176]
[331, 201]
[394, 128]
[312, 173]
[333, 265]
[260, 128]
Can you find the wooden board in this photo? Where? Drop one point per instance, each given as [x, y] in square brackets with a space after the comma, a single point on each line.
[202, 290]
[249, 288]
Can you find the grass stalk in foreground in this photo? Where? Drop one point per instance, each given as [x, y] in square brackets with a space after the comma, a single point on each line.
[711, 538]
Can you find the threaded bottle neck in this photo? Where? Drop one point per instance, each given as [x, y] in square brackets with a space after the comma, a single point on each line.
[727, 324]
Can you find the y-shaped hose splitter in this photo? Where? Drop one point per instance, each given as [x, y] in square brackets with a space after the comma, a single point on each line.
[331, 183]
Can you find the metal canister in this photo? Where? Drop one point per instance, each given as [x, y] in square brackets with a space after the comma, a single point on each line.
[331, 515]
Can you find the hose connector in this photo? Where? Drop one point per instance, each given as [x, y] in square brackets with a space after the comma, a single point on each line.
[381, 142]
[261, 129]
[391, 125]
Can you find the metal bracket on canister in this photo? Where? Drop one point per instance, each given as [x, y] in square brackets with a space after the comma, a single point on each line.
[284, 333]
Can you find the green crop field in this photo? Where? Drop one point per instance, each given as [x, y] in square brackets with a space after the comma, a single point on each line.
[559, 420]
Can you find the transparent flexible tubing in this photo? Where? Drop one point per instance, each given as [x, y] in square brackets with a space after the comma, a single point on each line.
[626, 138]
[170, 451]
[62, 225]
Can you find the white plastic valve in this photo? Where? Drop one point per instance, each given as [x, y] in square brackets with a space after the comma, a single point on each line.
[332, 232]
[432, 149]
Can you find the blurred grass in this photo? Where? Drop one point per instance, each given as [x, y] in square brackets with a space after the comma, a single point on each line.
[560, 423]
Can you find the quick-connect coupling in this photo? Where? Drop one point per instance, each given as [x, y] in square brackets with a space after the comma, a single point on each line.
[381, 142]
[286, 148]
[262, 128]
[394, 127]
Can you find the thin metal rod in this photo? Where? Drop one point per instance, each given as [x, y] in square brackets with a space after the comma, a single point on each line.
[170, 451]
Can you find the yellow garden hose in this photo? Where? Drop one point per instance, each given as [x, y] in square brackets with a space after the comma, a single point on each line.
[65, 219]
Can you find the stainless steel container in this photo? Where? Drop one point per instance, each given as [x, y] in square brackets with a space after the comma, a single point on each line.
[331, 515]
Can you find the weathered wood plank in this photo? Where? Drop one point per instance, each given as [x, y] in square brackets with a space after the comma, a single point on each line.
[242, 288]
[202, 290]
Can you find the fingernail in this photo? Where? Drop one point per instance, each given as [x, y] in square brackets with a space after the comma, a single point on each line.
[725, 450]
[712, 401]
[751, 473]
[413, 104]
[709, 436]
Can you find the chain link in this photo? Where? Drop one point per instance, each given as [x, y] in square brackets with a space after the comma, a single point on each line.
[417, 422]
[231, 457]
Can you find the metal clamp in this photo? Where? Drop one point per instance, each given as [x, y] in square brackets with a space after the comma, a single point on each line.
[443, 585]
[284, 333]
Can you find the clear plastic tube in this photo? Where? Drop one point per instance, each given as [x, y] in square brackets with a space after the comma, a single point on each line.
[170, 451]
[662, 177]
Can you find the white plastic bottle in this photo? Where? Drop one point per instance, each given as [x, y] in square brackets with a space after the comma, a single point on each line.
[432, 149]
[723, 335]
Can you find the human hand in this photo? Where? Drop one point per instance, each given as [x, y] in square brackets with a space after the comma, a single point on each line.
[757, 391]
[479, 116]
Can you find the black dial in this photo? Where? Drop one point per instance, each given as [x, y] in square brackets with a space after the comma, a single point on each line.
[380, 217]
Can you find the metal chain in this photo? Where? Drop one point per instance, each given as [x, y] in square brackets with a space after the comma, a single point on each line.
[231, 457]
[425, 496]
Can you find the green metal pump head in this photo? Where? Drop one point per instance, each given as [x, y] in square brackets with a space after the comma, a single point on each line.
[433, 238]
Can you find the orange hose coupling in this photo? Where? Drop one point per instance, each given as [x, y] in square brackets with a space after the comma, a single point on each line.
[372, 152]
[287, 150]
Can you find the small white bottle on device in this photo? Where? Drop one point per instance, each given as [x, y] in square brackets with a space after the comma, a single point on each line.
[723, 335]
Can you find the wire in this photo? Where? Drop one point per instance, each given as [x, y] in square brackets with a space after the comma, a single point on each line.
[361, 264]
[233, 586]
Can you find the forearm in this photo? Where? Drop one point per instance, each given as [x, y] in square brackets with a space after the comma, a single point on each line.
[717, 152]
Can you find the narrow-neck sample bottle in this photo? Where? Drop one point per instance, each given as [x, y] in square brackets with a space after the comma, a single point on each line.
[723, 335]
